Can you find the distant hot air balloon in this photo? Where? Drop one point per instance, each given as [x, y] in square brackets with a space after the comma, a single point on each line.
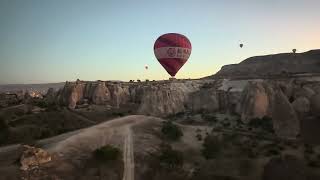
[172, 51]
[241, 45]
[294, 51]
[146, 67]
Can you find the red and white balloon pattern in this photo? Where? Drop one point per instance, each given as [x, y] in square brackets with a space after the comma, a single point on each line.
[172, 51]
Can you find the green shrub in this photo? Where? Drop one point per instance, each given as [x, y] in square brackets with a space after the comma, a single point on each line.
[226, 124]
[209, 117]
[264, 123]
[4, 130]
[212, 147]
[308, 149]
[171, 131]
[107, 153]
[199, 137]
[313, 163]
[170, 158]
[41, 104]
[120, 114]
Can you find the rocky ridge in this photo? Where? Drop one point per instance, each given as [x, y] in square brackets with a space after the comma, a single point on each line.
[273, 65]
[287, 102]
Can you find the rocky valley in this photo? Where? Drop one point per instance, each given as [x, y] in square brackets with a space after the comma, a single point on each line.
[258, 119]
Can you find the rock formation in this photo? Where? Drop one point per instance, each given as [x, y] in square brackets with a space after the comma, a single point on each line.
[101, 94]
[285, 101]
[302, 106]
[315, 105]
[271, 65]
[261, 99]
[285, 121]
[33, 158]
[256, 101]
[167, 99]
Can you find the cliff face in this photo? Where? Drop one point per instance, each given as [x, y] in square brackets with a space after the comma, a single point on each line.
[100, 93]
[287, 102]
[163, 100]
[262, 66]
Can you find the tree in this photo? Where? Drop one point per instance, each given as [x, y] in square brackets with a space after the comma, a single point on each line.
[107, 153]
[211, 147]
[4, 130]
[264, 123]
[171, 131]
[170, 158]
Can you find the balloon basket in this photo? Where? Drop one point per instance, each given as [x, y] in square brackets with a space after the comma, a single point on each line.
[172, 79]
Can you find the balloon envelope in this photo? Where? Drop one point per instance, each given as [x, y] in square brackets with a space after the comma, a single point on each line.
[172, 51]
[241, 45]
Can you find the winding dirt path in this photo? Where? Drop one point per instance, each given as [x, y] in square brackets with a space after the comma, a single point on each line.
[128, 156]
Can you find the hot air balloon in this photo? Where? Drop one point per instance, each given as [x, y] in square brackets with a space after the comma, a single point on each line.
[172, 51]
[294, 51]
[146, 67]
[241, 45]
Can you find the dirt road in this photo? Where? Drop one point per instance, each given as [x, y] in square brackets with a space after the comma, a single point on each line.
[128, 156]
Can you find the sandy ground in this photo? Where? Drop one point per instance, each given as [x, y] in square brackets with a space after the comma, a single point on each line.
[81, 143]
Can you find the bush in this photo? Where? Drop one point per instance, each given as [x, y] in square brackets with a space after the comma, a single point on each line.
[272, 152]
[41, 104]
[226, 124]
[170, 158]
[120, 114]
[171, 131]
[313, 163]
[4, 130]
[199, 137]
[107, 153]
[212, 146]
[209, 117]
[264, 123]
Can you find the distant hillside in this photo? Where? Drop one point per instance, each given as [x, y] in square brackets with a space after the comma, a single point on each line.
[263, 66]
[30, 87]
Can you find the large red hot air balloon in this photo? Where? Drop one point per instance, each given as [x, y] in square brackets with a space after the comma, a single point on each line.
[172, 51]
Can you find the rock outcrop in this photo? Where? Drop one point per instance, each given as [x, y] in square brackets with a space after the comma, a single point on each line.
[204, 100]
[119, 94]
[101, 94]
[277, 64]
[315, 105]
[256, 101]
[302, 106]
[285, 121]
[167, 99]
[261, 99]
[286, 101]
[33, 158]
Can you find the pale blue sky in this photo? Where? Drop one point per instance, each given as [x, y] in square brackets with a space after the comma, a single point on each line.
[59, 40]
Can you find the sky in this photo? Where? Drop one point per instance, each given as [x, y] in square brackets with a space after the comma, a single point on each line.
[44, 41]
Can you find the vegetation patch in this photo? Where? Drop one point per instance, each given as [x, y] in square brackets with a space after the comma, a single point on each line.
[264, 123]
[107, 153]
[209, 117]
[212, 147]
[170, 158]
[171, 131]
[4, 130]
